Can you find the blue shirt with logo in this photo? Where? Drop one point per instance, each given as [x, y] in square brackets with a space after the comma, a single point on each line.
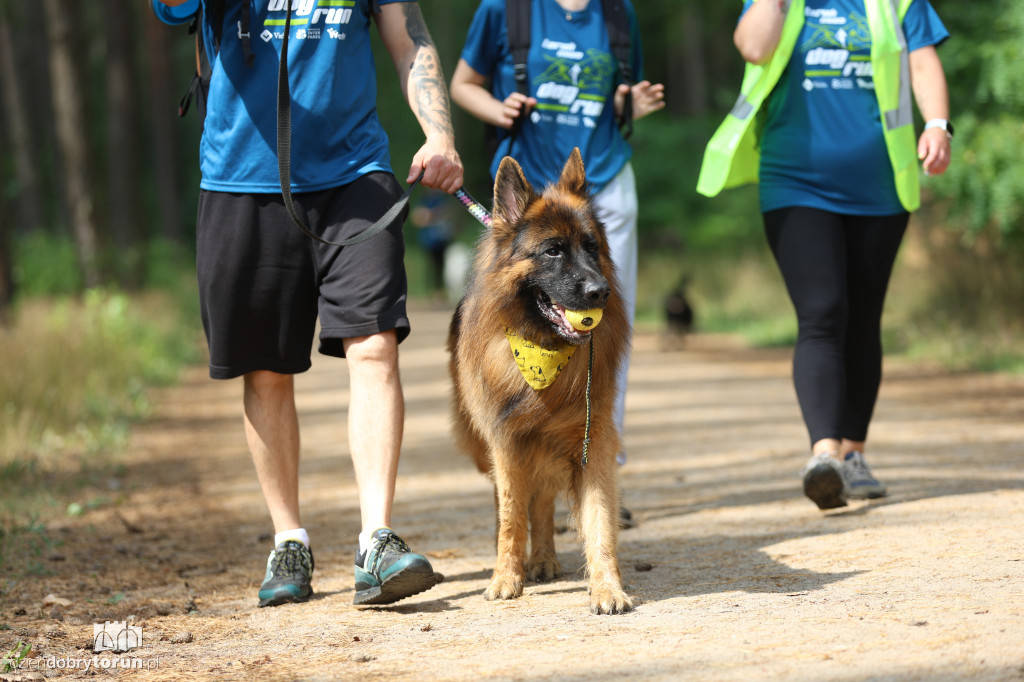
[572, 73]
[822, 144]
[336, 135]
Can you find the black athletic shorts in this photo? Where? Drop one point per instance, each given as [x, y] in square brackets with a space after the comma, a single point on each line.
[263, 282]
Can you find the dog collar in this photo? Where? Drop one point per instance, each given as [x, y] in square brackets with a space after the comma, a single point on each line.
[539, 366]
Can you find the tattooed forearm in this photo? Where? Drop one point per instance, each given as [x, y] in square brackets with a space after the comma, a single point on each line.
[429, 92]
[415, 25]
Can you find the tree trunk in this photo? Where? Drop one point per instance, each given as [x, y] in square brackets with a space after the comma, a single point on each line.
[163, 134]
[28, 202]
[6, 273]
[122, 198]
[69, 114]
[691, 54]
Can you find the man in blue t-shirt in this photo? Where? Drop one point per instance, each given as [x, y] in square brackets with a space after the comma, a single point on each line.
[575, 99]
[263, 284]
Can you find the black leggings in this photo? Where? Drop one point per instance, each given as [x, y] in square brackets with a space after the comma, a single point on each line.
[836, 268]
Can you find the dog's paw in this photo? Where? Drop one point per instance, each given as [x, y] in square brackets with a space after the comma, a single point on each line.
[609, 601]
[504, 587]
[543, 569]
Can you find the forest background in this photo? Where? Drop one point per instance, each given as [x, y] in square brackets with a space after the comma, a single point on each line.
[98, 189]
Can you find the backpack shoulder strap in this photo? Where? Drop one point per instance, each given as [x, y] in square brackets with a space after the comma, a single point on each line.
[215, 18]
[211, 12]
[517, 22]
[616, 21]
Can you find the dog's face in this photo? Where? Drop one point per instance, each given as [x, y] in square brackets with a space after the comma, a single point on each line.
[552, 247]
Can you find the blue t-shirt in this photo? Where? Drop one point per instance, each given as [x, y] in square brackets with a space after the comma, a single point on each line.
[572, 73]
[822, 145]
[336, 134]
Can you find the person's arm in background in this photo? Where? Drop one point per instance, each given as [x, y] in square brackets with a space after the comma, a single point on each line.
[758, 32]
[647, 97]
[928, 81]
[407, 40]
[469, 90]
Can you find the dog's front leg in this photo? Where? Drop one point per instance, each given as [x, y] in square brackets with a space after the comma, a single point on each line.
[512, 498]
[543, 563]
[599, 526]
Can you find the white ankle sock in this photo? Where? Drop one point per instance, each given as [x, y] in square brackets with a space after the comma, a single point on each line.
[366, 539]
[298, 534]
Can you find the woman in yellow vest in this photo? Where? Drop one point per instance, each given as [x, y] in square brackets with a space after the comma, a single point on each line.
[824, 123]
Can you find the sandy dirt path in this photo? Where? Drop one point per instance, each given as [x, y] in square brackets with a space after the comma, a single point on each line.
[736, 574]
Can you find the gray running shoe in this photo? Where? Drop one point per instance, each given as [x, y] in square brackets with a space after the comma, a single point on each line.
[861, 483]
[825, 481]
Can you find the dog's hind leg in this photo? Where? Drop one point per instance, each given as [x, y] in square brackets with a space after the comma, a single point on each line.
[543, 563]
[598, 506]
[513, 496]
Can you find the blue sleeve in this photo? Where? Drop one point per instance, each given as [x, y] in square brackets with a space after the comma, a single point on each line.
[923, 26]
[482, 50]
[175, 15]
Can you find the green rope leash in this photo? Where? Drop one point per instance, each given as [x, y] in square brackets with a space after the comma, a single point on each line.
[586, 428]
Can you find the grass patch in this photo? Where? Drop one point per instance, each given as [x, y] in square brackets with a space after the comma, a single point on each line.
[76, 374]
[953, 300]
[733, 294]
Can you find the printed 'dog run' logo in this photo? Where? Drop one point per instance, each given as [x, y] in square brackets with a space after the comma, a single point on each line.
[116, 636]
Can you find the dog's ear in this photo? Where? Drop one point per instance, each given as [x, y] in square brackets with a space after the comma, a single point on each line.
[574, 178]
[512, 192]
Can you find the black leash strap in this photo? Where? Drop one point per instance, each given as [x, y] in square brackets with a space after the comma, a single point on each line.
[284, 158]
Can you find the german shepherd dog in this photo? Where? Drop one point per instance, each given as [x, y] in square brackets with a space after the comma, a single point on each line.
[544, 260]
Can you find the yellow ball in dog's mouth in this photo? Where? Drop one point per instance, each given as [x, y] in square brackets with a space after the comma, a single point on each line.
[584, 320]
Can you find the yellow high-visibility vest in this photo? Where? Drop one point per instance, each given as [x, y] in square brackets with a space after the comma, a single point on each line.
[733, 158]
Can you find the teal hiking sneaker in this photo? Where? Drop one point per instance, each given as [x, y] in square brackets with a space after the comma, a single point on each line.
[289, 572]
[389, 571]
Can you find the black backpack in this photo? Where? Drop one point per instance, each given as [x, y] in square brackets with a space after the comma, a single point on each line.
[517, 20]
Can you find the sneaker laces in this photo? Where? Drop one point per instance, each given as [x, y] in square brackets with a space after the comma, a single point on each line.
[381, 545]
[293, 560]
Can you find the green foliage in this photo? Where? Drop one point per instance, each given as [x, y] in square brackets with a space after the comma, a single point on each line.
[13, 658]
[90, 358]
[76, 374]
[45, 265]
[671, 211]
[983, 185]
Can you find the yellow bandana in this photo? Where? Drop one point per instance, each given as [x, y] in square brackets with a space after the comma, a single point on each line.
[539, 366]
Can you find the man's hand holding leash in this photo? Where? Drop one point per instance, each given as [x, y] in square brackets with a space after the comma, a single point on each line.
[418, 65]
[440, 165]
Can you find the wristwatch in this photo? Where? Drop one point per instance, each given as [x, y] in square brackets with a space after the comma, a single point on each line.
[940, 123]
